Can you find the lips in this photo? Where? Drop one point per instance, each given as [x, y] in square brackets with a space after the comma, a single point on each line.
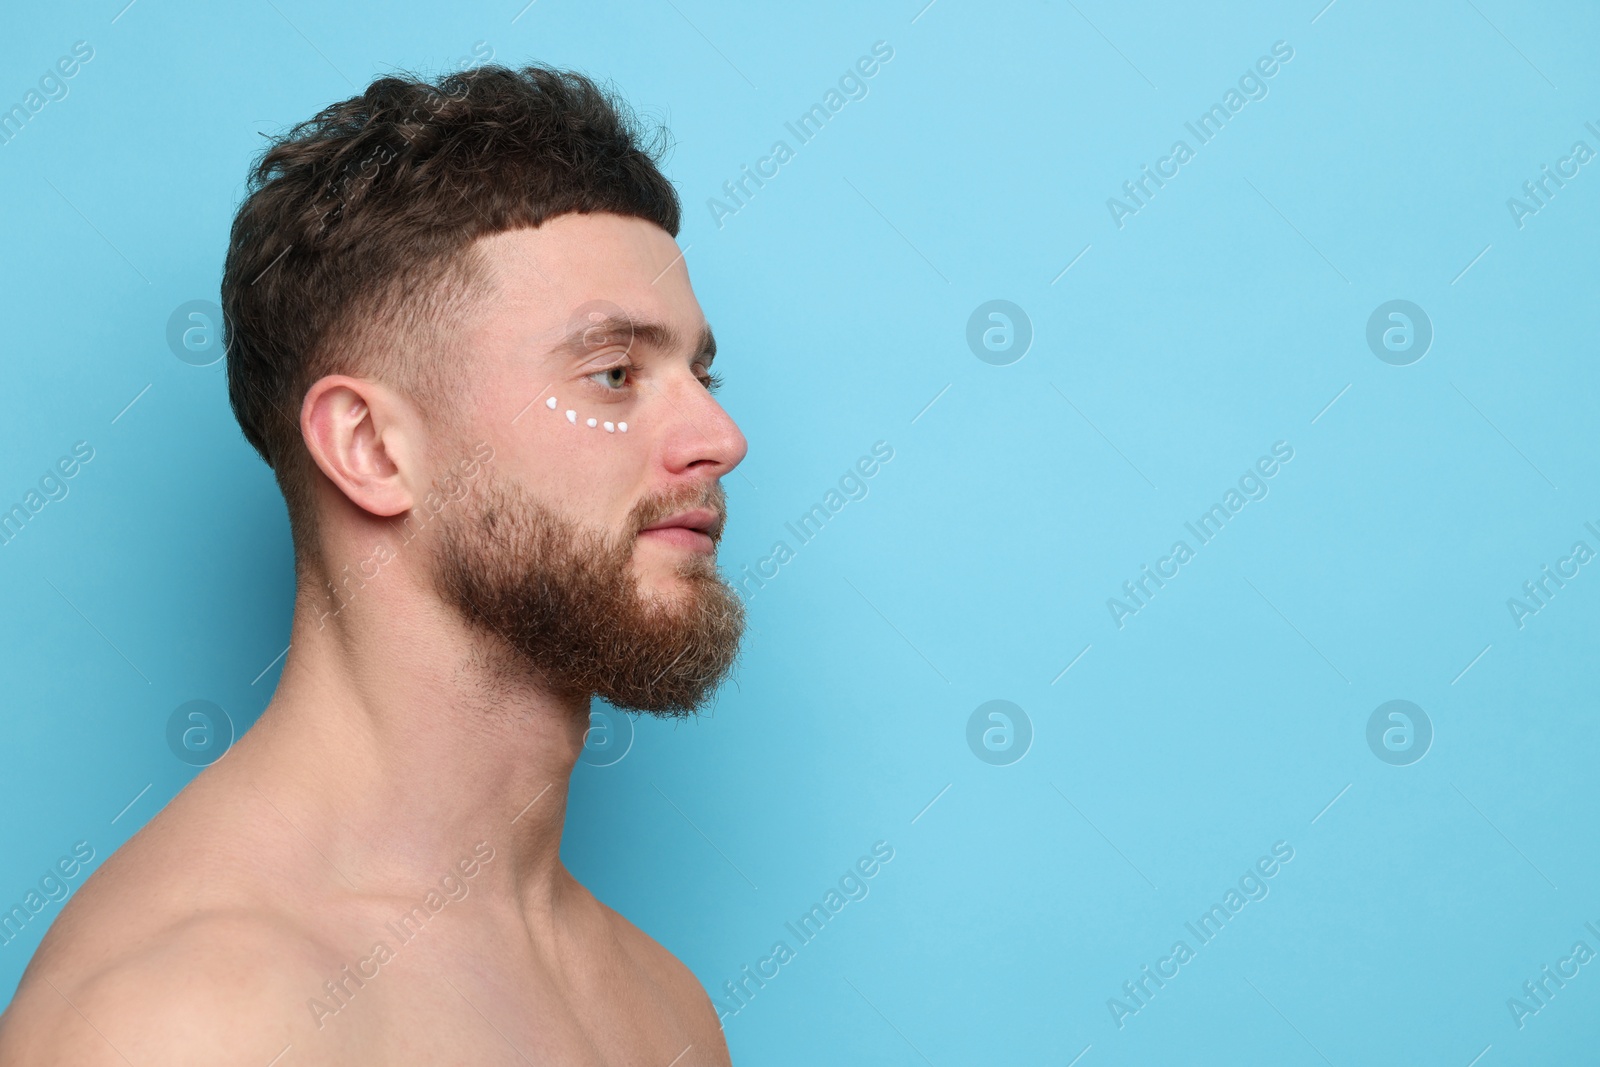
[698, 529]
[702, 520]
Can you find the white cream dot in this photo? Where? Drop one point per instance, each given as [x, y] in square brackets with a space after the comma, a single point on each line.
[611, 427]
[592, 424]
[551, 403]
[622, 426]
[572, 417]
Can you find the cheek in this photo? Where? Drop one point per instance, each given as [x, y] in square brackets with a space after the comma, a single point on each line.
[592, 471]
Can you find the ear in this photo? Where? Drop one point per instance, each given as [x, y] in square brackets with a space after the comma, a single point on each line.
[356, 431]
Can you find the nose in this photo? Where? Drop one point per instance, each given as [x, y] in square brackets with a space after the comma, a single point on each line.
[702, 438]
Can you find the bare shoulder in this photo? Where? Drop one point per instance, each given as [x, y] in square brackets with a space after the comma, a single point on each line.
[215, 988]
[191, 943]
[683, 992]
[170, 952]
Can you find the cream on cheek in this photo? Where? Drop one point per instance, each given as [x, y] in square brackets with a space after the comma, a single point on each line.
[572, 417]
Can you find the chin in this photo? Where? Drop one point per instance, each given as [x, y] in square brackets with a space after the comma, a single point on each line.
[663, 563]
[674, 580]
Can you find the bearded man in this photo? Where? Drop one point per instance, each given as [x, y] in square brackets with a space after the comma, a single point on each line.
[461, 333]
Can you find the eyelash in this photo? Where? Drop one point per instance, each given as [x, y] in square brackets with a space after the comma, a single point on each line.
[711, 381]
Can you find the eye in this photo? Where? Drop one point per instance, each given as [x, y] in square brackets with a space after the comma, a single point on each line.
[613, 379]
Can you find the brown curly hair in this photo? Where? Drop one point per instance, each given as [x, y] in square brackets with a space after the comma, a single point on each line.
[351, 251]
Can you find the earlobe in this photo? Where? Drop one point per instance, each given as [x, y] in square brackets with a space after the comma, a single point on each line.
[353, 429]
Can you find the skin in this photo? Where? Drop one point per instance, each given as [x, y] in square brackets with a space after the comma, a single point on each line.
[393, 748]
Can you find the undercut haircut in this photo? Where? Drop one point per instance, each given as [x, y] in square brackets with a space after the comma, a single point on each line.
[352, 251]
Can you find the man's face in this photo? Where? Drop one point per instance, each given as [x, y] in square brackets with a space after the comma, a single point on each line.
[588, 544]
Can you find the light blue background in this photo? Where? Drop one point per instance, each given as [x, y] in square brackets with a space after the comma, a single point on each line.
[1223, 317]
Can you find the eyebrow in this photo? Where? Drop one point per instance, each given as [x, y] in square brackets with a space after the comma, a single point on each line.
[651, 334]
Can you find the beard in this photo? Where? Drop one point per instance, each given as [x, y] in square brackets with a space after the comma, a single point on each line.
[561, 599]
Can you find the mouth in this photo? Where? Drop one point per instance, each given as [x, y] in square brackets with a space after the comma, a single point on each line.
[696, 530]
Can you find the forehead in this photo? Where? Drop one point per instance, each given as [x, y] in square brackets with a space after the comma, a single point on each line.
[541, 276]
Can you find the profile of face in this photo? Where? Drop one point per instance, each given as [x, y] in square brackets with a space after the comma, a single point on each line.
[587, 548]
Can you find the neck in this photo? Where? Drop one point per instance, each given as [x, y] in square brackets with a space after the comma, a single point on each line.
[398, 739]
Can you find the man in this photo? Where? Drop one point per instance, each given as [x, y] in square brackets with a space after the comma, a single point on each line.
[462, 335]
